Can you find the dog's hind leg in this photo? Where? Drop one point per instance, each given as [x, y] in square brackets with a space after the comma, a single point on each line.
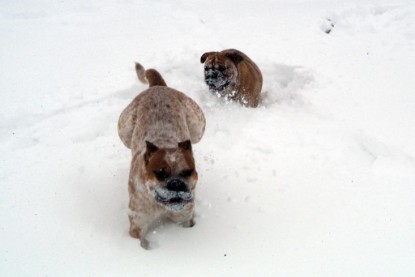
[126, 124]
[195, 119]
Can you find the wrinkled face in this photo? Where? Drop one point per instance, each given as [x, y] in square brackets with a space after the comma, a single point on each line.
[220, 72]
[171, 176]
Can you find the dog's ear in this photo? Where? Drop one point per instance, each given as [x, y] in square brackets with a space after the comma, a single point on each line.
[151, 148]
[204, 56]
[235, 57]
[185, 145]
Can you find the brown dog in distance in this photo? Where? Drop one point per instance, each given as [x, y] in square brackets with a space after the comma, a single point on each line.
[233, 75]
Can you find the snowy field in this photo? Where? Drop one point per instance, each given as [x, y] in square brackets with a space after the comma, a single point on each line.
[317, 181]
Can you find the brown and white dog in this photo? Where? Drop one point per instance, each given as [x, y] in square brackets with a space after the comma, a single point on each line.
[159, 126]
[233, 75]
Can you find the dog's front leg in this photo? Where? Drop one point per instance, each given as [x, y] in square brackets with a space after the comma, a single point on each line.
[189, 223]
[139, 233]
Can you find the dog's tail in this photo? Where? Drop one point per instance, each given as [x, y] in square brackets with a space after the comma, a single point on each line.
[149, 76]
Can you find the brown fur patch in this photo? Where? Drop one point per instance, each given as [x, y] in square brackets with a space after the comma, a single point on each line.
[154, 78]
[150, 76]
[157, 162]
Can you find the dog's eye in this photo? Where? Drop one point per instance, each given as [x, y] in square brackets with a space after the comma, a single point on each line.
[186, 173]
[221, 68]
[207, 68]
[161, 174]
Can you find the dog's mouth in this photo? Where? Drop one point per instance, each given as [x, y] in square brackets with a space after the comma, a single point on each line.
[217, 85]
[216, 79]
[218, 88]
[173, 200]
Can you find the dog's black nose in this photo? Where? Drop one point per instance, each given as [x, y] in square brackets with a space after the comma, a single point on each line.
[211, 74]
[176, 185]
[214, 75]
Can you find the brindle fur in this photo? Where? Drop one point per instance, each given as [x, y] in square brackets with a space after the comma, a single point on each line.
[245, 78]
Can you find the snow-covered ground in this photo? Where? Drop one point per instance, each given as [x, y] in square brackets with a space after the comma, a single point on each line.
[317, 181]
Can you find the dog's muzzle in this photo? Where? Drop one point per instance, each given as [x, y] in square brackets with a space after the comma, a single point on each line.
[216, 80]
[175, 196]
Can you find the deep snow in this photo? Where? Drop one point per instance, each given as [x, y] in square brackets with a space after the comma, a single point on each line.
[317, 181]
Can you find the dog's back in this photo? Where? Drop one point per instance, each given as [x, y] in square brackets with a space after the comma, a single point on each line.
[165, 111]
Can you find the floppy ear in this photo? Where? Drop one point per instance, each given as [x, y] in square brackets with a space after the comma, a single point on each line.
[204, 56]
[185, 145]
[235, 57]
[151, 148]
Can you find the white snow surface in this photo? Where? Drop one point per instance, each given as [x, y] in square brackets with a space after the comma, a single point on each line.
[317, 181]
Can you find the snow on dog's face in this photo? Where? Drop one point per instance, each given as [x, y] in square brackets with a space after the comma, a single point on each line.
[171, 175]
[219, 70]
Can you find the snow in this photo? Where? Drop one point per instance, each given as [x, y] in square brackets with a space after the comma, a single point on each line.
[317, 181]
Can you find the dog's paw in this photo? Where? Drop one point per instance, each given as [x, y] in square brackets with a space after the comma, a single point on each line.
[134, 233]
[189, 224]
[145, 244]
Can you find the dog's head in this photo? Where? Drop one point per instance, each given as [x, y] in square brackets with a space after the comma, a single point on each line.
[171, 175]
[220, 69]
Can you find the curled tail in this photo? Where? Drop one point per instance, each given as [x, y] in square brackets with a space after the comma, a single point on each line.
[149, 76]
